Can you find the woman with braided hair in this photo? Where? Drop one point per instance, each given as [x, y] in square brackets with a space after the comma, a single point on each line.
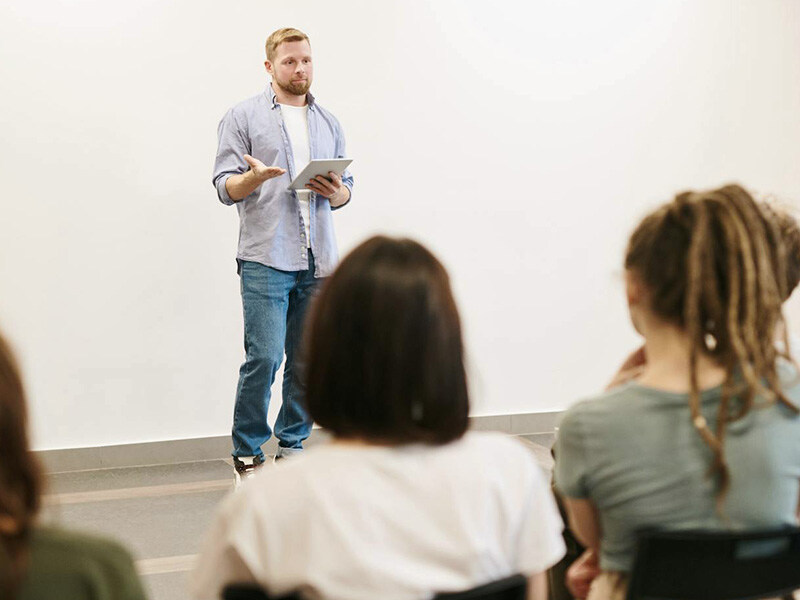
[708, 435]
[45, 562]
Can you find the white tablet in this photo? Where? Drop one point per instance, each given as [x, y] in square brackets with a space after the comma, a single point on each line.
[319, 166]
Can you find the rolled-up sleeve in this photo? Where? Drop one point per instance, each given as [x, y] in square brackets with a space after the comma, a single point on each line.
[233, 144]
[347, 177]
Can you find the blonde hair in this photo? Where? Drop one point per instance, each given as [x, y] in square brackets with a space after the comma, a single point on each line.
[789, 231]
[276, 38]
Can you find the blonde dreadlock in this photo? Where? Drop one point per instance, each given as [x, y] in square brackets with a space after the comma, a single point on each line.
[715, 265]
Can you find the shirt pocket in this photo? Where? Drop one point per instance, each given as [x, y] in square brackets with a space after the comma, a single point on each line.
[268, 148]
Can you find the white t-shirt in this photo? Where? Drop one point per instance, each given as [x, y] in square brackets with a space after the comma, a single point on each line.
[355, 522]
[295, 118]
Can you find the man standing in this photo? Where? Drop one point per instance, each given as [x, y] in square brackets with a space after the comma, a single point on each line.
[286, 238]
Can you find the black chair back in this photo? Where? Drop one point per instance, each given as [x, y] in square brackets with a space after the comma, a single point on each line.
[510, 588]
[242, 591]
[704, 565]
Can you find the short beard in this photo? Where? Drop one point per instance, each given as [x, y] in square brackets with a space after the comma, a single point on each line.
[295, 88]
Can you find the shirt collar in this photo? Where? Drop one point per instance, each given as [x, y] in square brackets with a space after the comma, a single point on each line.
[270, 93]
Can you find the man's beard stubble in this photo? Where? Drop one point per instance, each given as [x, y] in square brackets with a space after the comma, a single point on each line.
[295, 88]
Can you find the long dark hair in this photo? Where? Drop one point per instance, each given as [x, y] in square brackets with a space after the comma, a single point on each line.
[384, 347]
[20, 476]
[715, 265]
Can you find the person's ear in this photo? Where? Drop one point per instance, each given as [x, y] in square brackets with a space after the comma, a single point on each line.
[268, 66]
[634, 290]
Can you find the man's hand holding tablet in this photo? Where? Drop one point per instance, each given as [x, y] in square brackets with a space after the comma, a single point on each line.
[331, 188]
[324, 176]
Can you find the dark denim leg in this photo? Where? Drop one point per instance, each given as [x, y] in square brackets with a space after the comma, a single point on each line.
[265, 298]
[293, 424]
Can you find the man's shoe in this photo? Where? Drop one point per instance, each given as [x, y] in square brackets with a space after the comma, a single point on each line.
[286, 453]
[245, 467]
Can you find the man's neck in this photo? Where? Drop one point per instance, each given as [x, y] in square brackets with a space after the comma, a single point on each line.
[285, 98]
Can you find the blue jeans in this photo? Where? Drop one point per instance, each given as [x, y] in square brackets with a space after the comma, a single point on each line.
[275, 304]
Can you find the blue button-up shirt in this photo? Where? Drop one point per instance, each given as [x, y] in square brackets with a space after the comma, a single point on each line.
[271, 230]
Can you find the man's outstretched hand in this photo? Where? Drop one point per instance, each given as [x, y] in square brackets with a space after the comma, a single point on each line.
[242, 185]
[261, 171]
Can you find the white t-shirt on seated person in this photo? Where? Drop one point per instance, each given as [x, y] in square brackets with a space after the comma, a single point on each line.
[357, 522]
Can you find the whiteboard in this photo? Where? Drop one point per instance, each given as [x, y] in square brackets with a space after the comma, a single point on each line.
[542, 131]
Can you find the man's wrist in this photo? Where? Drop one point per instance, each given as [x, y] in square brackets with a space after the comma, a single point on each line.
[255, 177]
[344, 195]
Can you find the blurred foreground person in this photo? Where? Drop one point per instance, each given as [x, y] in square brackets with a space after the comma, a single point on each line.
[38, 562]
[403, 502]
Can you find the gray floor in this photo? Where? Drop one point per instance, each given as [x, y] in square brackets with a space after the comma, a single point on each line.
[162, 512]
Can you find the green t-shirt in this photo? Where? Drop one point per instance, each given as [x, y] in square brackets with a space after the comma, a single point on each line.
[65, 565]
[636, 455]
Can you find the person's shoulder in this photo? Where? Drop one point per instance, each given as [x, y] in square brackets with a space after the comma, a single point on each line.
[316, 472]
[326, 114]
[78, 546]
[607, 406]
[497, 448]
[59, 538]
[293, 472]
[60, 556]
[483, 441]
[322, 110]
[502, 461]
[607, 402]
[246, 107]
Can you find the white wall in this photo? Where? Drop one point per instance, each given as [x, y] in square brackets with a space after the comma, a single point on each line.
[520, 140]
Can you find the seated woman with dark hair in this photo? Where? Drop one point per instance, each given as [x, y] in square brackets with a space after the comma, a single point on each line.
[707, 436]
[403, 502]
[43, 562]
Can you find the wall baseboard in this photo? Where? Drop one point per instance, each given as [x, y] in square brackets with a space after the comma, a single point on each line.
[218, 447]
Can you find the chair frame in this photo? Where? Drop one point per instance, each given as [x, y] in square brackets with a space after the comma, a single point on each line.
[514, 587]
[695, 553]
